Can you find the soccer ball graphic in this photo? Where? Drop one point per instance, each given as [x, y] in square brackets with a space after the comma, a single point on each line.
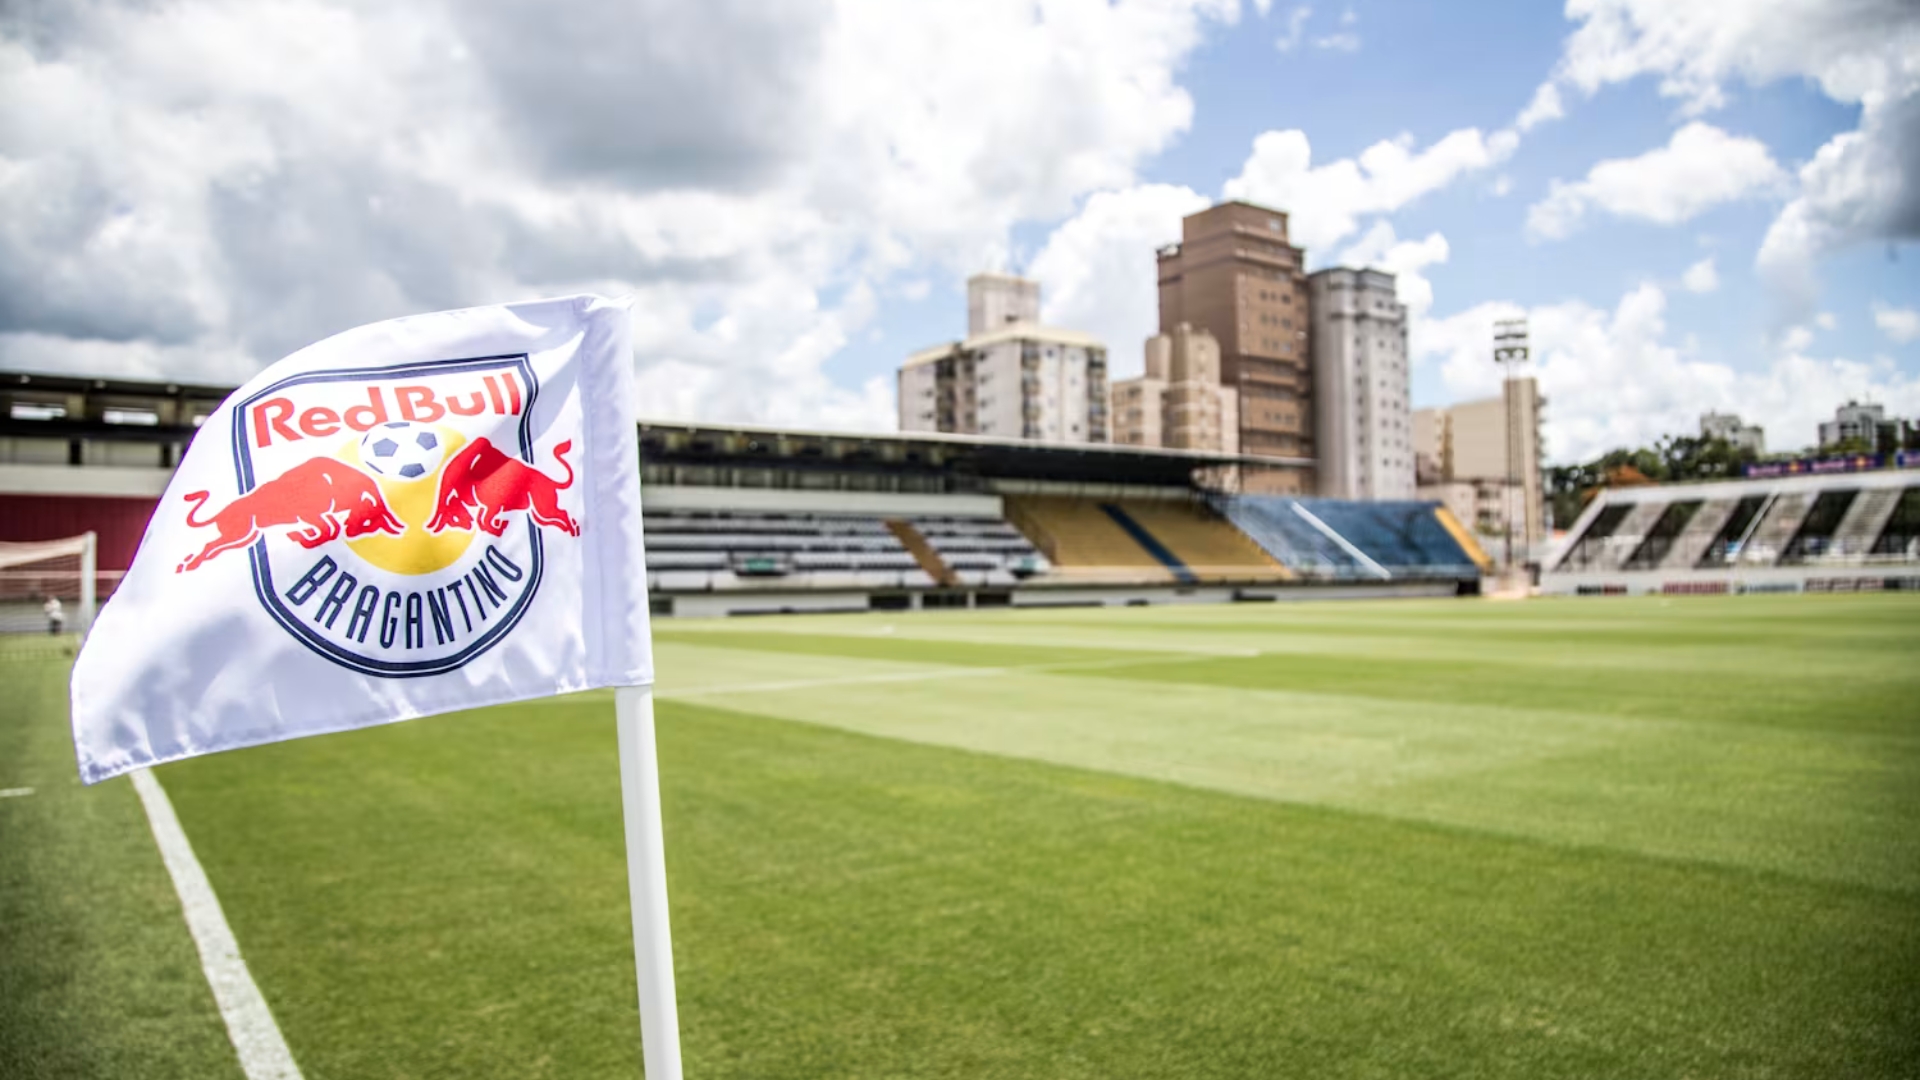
[403, 450]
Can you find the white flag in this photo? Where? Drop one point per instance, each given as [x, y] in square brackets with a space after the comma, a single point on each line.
[428, 514]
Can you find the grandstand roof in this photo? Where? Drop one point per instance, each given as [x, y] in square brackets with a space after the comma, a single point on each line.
[998, 459]
[666, 442]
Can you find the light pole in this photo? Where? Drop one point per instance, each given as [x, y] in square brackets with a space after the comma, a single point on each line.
[1509, 350]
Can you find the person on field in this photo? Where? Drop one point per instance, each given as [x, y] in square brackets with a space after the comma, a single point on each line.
[56, 615]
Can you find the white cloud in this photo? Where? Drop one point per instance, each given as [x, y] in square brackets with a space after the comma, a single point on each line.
[1324, 203]
[1296, 28]
[1544, 106]
[1096, 271]
[196, 188]
[1613, 379]
[1701, 277]
[1863, 185]
[1699, 168]
[1342, 42]
[1263, 7]
[1900, 324]
[1825, 320]
[1854, 49]
[1381, 249]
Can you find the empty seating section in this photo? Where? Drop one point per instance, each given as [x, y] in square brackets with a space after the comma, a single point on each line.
[1208, 546]
[1083, 540]
[699, 550]
[1334, 538]
[1404, 536]
[980, 551]
[1291, 538]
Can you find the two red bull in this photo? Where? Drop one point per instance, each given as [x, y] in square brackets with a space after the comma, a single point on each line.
[395, 520]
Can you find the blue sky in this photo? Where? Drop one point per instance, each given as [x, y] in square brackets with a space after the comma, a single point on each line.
[1424, 71]
[1710, 205]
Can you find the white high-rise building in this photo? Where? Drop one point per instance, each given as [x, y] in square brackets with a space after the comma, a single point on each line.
[1011, 378]
[1363, 404]
[1736, 433]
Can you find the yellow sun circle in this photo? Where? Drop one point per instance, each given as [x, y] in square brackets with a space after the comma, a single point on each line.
[415, 551]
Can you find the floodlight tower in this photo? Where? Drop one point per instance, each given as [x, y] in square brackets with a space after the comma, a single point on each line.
[1510, 350]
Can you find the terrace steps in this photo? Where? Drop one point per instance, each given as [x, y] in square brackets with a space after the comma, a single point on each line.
[923, 552]
[1776, 529]
[1631, 533]
[1865, 520]
[1694, 540]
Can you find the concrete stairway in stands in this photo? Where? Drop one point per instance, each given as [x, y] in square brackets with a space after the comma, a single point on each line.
[922, 552]
[1775, 529]
[1866, 518]
[1699, 534]
[1632, 532]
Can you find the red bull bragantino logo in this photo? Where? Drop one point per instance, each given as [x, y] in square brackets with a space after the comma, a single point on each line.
[395, 518]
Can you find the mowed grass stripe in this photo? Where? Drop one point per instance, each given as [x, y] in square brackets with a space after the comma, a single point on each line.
[447, 898]
[1840, 808]
[98, 976]
[1829, 635]
[1878, 700]
[887, 647]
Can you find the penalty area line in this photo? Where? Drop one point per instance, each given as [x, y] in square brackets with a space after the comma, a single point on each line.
[256, 1038]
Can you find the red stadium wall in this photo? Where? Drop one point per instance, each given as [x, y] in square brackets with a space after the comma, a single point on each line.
[117, 521]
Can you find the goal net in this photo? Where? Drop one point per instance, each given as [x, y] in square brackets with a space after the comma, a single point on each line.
[47, 587]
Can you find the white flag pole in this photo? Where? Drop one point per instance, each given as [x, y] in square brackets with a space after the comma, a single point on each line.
[647, 882]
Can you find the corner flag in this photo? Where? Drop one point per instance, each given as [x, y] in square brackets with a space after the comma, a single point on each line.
[418, 516]
[428, 514]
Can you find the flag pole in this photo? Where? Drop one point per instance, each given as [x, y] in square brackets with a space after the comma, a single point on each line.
[647, 881]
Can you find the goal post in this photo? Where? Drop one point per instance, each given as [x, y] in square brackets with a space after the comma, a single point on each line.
[48, 586]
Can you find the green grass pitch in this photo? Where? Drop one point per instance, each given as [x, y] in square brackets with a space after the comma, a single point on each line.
[1637, 838]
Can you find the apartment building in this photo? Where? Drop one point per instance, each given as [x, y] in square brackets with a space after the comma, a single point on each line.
[1011, 377]
[1363, 411]
[1235, 275]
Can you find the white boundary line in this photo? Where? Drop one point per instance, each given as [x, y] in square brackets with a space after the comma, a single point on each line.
[256, 1038]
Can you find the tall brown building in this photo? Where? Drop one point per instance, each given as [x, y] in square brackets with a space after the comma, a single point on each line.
[1234, 274]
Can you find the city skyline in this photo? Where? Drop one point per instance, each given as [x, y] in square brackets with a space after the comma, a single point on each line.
[1696, 214]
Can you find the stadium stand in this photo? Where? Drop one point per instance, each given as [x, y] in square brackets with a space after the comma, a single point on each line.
[744, 520]
[1824, 533]
[1901, 536]
[1865, 521]
[1342, 540]
[1084, 541]
[1201, 540]
[974, 551]
[708, 551]
[1775, 529]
